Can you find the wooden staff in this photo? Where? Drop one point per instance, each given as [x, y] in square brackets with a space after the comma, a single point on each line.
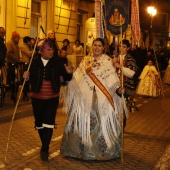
[121, 78]
[16, 106]
[159, 73]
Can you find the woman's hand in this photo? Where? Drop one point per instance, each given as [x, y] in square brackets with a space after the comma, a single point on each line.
[121, 90]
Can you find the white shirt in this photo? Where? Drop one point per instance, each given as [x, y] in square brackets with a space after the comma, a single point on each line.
[126, 71]
[44, 61]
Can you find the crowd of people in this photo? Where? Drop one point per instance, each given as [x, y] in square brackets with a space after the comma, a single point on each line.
[16, 58]
[97, 96]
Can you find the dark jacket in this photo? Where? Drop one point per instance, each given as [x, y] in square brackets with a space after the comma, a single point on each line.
[52, 71]
[3, 51]
[64, 60]
[129, 82]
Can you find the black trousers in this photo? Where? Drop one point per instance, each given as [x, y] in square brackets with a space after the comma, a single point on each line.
[127, 98]
[26, 86]
[45, 112]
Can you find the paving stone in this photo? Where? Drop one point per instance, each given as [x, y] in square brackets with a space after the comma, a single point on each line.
[146, 138]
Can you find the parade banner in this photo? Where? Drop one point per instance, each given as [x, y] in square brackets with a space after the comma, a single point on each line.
[99, 19]
[135, 24]
[116, 14]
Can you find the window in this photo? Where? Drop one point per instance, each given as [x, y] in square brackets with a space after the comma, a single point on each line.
[35, 15]
[79, 26]
[35, 8]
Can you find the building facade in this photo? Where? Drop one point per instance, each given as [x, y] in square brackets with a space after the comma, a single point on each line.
[65, 17]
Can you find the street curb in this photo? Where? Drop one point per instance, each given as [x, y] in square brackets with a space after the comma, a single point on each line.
[23, 111]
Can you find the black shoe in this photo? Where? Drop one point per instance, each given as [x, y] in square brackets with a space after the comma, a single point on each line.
[44, 155]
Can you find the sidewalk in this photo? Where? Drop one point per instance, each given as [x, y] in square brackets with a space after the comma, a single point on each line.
[24, 109]
[146, 141]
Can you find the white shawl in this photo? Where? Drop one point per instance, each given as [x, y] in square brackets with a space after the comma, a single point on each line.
[79, 95]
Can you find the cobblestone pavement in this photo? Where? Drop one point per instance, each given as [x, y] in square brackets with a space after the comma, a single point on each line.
[146, 140]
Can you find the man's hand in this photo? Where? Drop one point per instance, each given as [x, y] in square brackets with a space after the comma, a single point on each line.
[116, 64]
[26, 75]
[69, 69]
[121, 90]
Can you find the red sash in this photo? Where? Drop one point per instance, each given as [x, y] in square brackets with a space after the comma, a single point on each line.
[100, 85]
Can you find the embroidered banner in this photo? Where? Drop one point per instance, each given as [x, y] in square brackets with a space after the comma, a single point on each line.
[135, 24]
[98, 17]
[115, 8]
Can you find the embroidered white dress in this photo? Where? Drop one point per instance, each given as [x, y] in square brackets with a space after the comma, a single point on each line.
[93, 129]
[149, 82]
[166, 78]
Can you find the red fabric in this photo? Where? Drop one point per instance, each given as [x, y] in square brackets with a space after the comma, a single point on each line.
[46, 91]
[97, 17]
[135, 24]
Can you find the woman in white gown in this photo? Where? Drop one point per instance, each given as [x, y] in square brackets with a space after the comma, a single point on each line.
[93, 128]
[149, 81]
[166, 78]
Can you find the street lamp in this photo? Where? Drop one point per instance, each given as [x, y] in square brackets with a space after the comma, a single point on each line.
[152, 12]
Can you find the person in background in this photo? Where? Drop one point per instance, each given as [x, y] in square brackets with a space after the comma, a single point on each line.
[112, 49]
[52, 39]
[149, 81]
[106, 46]
[3, 51]
[93, 105]
[63, 56]
[149, 56]
[59, 52]
[26, 53]
[166, 78]
[37, 41]
[13, 48]
[77, 48]
[64, 61]
[44, 75]
[26, 49]
[127, 67]
[13, 57]
[32, 43]
[3, 48]
[66, 46]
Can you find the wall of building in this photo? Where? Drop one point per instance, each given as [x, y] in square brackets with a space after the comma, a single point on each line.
[61, 16]
[58, 15]
[85, 16]
[2, 13]
[65, 20]
[17, 17]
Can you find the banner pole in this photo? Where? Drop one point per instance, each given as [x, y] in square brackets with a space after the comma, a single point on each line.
[121, 79]
[17, 103]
